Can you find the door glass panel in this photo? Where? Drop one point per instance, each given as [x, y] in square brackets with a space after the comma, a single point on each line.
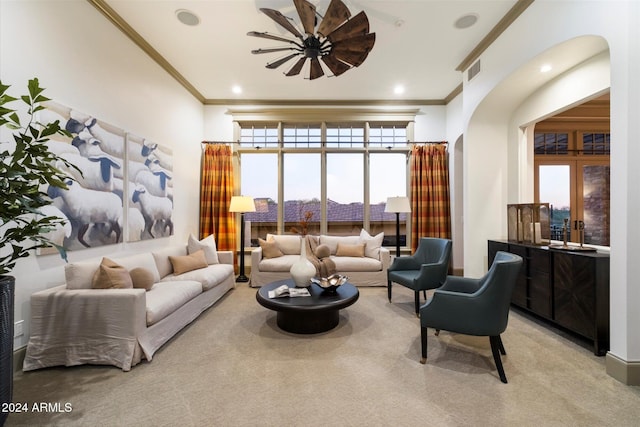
[595, 185]
[555, 189]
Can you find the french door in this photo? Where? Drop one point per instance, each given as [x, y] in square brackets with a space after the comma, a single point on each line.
[578, 191]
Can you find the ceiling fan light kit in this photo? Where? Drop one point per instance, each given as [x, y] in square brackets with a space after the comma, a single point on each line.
[340, 41]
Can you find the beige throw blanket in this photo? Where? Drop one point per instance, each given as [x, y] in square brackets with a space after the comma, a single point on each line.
[324, 265]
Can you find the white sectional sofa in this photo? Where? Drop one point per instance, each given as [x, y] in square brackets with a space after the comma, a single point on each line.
[75, 324]
[367, 270]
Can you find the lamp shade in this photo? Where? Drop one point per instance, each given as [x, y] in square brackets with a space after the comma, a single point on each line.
[397, 204]
[242, 204]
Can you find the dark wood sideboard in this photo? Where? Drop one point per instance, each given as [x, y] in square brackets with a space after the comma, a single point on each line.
[568, 289]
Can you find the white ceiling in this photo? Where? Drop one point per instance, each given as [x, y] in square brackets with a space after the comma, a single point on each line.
[416, 46]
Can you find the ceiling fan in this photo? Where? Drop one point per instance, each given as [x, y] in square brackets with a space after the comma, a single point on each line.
[340, 41]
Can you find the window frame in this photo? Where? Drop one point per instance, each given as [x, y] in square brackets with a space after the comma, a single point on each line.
[396, 119]
[576, 159]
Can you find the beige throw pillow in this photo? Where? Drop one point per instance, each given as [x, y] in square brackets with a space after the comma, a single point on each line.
[270, 248]
[356, 250]
[194, 261]
[142, 278]
[111, 276]
[208, 245]
[323, 251]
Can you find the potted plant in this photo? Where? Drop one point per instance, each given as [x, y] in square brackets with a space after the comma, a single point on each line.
[27, 169]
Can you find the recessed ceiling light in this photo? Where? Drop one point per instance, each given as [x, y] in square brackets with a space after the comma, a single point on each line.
[187, 17]
[236, 89]
[545, 68]
[398, 90]
[465, 21]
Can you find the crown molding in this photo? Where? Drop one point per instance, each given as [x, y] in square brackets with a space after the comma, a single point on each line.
[325, 102]
[122, 25]
[128, 30]
[496, 31]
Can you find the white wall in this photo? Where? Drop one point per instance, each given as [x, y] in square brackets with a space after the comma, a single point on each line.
[454, 125]
[84, 62]
[492, 132]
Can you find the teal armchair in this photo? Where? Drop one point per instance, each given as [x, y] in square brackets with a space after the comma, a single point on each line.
[426, 269]
[474, 306]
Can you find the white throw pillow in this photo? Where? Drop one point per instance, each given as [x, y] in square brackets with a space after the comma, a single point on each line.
[373, 243]
[289, 244]
[208, 245]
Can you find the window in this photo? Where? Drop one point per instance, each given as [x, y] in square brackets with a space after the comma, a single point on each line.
[335, 177]
[301, 181]
[572, 174]
[261, 183]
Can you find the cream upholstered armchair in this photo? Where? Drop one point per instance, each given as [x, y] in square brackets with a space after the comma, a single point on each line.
[426, 269]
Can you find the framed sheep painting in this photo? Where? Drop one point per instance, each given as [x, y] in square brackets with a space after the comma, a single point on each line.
[93, 203]
[150, 190]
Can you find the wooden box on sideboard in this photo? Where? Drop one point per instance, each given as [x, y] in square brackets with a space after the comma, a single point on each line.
[529, 223]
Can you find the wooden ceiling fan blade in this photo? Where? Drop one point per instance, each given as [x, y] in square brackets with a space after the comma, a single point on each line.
[336, 66]
[282, 20]
[355, 50]
[336, 14]
[356, 26]
[278, 49]
[307, 14]
[281, 61]
[316, 69]
[297, 67]
[265, 35]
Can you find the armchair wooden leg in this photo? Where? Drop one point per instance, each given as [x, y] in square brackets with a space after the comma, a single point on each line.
[502, 351]
[417, 302]
[389, 289]
[495, 349]
[423, 342]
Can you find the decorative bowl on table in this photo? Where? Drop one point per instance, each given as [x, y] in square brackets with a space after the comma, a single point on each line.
[330, 284]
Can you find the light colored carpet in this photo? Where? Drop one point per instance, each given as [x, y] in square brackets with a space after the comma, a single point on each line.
[234, 367]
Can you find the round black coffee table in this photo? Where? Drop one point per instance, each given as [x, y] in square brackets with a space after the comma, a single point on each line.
[308, 315]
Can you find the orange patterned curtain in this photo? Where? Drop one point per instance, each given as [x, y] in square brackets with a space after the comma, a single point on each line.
[215, 196]
[430, 202]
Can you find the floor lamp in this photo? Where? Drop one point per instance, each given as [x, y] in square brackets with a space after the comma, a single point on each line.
[242, 204]
[397, 205]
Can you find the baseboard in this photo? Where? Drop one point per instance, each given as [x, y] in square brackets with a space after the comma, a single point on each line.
[18, 358]
[626, 372]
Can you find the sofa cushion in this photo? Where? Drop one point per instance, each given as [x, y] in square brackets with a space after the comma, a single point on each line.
[270, 248]
[184, 263]
[111, 275]
[332, 241]
[143, 260]
[208, 277]
[373, 243]
[279, 264]
[208, 245]
[79, 275]
[142, 278]
[356, 250]
[166, 297]
[289, 244]
[161, 257]
[345, 264]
